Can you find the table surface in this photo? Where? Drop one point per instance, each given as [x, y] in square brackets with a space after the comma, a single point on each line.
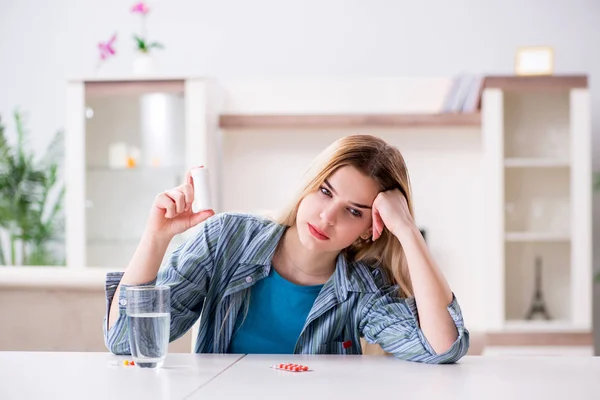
[379, 377]
[66, 375]
[63, 375]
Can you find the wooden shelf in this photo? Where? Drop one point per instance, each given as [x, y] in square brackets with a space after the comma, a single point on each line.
[307, 121]
[136, 169]
[348, 120]
[112, 242]
[541, 326]
[133, 87]
[539, 338]
[536, 163]
[537, 237]
[536, 83]
[540, 333]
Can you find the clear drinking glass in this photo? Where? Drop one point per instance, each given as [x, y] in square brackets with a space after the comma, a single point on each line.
[149, 318]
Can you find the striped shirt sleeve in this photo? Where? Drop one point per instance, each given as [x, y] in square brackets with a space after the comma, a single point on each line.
[187, 272]
[392, 323]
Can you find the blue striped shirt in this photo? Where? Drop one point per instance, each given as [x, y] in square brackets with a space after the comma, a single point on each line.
[212, 272]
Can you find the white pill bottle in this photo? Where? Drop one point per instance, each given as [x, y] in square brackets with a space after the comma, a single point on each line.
[202, 198]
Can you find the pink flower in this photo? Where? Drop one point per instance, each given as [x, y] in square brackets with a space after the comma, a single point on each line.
[106, 48]
[140, 8]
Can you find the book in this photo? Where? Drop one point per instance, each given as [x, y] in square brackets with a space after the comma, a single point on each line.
[464, 94]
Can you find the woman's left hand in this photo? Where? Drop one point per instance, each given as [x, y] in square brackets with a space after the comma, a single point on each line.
[390, 209]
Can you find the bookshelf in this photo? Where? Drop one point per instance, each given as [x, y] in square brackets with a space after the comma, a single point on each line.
[536, 137]
[425, 102]
[231, 121]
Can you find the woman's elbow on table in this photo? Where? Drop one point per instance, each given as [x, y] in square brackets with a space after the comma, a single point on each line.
[116, 339]
[393, 324]
[451, 355]
[118, 348]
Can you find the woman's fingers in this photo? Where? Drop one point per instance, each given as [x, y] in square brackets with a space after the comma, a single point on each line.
[178, 198]
[188, 178]
[188, 175]
[201, 216]
[377, 224]
[188, 193]
[166, 203]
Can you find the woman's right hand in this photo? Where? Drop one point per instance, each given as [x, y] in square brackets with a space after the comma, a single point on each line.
[172, 213]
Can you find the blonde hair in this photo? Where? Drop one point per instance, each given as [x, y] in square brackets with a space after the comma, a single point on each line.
[385, 165]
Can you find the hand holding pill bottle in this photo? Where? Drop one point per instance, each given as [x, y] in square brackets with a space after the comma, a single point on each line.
[178, 209]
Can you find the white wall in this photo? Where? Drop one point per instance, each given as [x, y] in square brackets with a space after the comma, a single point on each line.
[43, 43]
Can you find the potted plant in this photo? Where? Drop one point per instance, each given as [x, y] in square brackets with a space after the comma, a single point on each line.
[144, 61]
[31, 198]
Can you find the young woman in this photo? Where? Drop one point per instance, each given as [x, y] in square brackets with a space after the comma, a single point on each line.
[345, 261]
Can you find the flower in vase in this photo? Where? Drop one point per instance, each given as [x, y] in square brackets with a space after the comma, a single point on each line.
[143, 45]
[140, 8]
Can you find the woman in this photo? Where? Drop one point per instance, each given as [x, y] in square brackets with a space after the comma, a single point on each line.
[344, 262]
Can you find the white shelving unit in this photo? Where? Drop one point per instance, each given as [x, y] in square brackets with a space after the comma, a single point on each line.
[537, 137]
[170, 124]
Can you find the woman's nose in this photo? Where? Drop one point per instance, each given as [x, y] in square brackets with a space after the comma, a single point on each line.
[328, 215]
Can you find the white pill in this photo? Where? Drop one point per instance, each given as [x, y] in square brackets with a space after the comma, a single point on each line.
[202, 198]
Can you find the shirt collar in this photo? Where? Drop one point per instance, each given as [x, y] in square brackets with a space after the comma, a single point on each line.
[352, 276]
[349, 276]
[262, 247]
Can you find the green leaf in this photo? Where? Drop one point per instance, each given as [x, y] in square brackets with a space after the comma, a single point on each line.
[155, 45]
[26, 214]
[140, 43]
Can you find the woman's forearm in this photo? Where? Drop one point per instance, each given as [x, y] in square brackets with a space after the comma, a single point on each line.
[432, 292]
[142, 268]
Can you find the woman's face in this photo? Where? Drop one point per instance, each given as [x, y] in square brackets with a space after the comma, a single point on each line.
[333, 217]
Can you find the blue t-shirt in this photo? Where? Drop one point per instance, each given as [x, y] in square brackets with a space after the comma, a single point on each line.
[276, 315]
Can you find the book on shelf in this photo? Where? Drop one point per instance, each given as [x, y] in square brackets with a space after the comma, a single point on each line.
[464, 95]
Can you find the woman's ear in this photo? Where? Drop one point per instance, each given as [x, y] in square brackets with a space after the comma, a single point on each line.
[367, 235]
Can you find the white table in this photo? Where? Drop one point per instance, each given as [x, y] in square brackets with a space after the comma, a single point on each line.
[58, 375]
[47, 375]
[381, 378]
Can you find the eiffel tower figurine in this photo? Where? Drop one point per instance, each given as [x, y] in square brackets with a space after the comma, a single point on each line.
[538, 304]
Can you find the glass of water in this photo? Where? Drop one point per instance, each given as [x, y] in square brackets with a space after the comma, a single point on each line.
[149, 321]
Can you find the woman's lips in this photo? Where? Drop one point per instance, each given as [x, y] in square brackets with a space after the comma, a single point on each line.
[317, 233]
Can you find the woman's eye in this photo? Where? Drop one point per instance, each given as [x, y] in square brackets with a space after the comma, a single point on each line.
[355, 213]
[325, 191]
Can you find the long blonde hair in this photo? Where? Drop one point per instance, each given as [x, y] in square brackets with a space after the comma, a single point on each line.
[385, 165]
